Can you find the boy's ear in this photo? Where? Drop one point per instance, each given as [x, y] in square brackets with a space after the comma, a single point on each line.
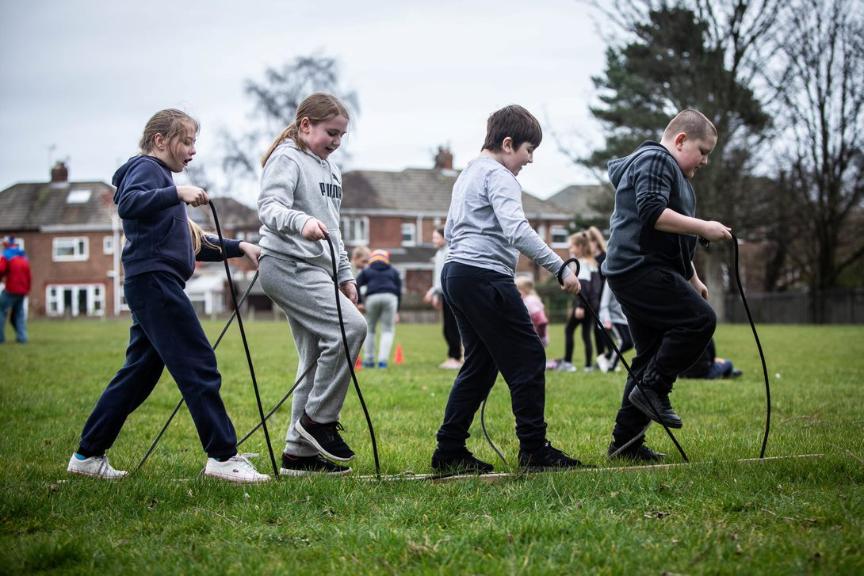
[680, 138]
[507, 144]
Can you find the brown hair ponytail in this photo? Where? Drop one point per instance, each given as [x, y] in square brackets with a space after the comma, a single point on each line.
[317, 107]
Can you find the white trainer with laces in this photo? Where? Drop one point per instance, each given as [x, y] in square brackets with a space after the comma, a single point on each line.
[237, 469]
[603, 363]
[95, 466]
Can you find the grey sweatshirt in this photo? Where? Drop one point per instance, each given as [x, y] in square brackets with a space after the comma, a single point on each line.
[486, 225]
[297, 185]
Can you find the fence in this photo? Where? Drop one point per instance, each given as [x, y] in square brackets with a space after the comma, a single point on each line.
[841, 306]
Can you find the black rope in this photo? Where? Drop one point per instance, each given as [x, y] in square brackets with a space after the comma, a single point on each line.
[486, 433]
[245, 343]
[761, 354]
[349, 360]
[181, 401]
[618, 352]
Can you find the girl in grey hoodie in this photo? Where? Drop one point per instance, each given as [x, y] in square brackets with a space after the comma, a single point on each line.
[301, 195]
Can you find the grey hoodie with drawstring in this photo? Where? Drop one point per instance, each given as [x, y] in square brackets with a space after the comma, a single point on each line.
[297, 185]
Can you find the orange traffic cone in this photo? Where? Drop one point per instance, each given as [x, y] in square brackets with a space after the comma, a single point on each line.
[399, 358]
[358, 365]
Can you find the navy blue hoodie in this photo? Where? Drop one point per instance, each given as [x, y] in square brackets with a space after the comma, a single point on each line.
[381, 278]
[647, 182]
[155, 222]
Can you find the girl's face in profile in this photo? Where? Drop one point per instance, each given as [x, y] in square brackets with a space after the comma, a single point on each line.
[325, 137]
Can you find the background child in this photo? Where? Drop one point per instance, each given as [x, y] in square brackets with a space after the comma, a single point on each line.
[15, 274]
[649, 268]
[535, 307]
[158, 257]
[486, 229]
[435, 296]
[709, 366]
[615, 322]
[580, 247]
[301, 194]
[598, 249]
[383, 294]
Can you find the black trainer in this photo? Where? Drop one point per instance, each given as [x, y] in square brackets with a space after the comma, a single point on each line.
[459, 462]
[636, 452]
[645, 398]
[325, 438]
[308, 465]
[547, 457]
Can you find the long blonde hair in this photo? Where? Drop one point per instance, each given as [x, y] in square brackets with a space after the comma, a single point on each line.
[318, 107]
[582, 241]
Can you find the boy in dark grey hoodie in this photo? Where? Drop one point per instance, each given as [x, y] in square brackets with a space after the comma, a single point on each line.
[649, 268]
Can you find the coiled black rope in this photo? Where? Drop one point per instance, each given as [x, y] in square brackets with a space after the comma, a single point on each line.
[348, 358]
[761, 353]
[245, 343]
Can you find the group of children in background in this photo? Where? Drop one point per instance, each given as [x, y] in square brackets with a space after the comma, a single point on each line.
[502, 328]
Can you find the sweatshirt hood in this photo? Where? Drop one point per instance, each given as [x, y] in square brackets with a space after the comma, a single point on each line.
[121, 172]
[618, 166]
[13, 252]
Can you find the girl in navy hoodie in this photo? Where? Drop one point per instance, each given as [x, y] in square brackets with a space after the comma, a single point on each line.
[161, 247]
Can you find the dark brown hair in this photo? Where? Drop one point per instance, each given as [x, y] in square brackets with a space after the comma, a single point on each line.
[170, 123]
[513, 121]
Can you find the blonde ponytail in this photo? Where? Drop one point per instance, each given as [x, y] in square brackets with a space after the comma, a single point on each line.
[199, 239]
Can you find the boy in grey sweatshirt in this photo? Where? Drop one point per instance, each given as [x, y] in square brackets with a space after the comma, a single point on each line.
[486, 229]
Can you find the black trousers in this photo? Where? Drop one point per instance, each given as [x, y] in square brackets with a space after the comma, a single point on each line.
[451, 331]
[498, 336]
[671, 325]
[165, 332]
[587, 323]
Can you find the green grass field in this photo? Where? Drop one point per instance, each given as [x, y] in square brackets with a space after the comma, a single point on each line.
[715, 516]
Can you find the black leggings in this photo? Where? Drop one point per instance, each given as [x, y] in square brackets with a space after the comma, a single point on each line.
[620, 334]
[587, 329]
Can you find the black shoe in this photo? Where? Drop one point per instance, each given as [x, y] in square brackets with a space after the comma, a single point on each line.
[547, 458]
[325, 438]
[651, 403]
[308, 465]
[636, 452]
[459, 462]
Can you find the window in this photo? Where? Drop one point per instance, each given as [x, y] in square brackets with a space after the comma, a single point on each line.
[78, 300]
[70, 249]
[78, 197]
[355, 231]
[409, 234]
[108, 245]
[559, 236]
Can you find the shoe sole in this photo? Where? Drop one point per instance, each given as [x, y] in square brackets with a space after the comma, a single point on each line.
[637, 399]
[100, 476]
[296, 473]
[311, 439]
[235, 480]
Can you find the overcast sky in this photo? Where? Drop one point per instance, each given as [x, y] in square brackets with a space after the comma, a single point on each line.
[79, 78]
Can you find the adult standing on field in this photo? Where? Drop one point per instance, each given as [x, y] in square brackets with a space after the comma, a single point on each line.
[15, 272]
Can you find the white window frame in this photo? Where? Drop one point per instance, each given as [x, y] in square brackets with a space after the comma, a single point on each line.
[55, 305]
[562, 230]
[406, 226]
[80, 248]
[355, 230]
[108, 245]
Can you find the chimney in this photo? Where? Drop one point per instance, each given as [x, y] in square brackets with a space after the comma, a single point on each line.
[59, 173]
[444, 159]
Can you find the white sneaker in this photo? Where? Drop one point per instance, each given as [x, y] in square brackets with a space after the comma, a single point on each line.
[95, 466]
[566, 367]
[237, 469]
[450, 364]
[603, 363]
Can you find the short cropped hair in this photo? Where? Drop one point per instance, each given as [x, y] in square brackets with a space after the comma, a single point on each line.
[693, 123]
[513, 121]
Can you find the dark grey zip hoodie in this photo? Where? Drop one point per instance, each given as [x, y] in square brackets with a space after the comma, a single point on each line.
[647, 182]
[297, 185]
